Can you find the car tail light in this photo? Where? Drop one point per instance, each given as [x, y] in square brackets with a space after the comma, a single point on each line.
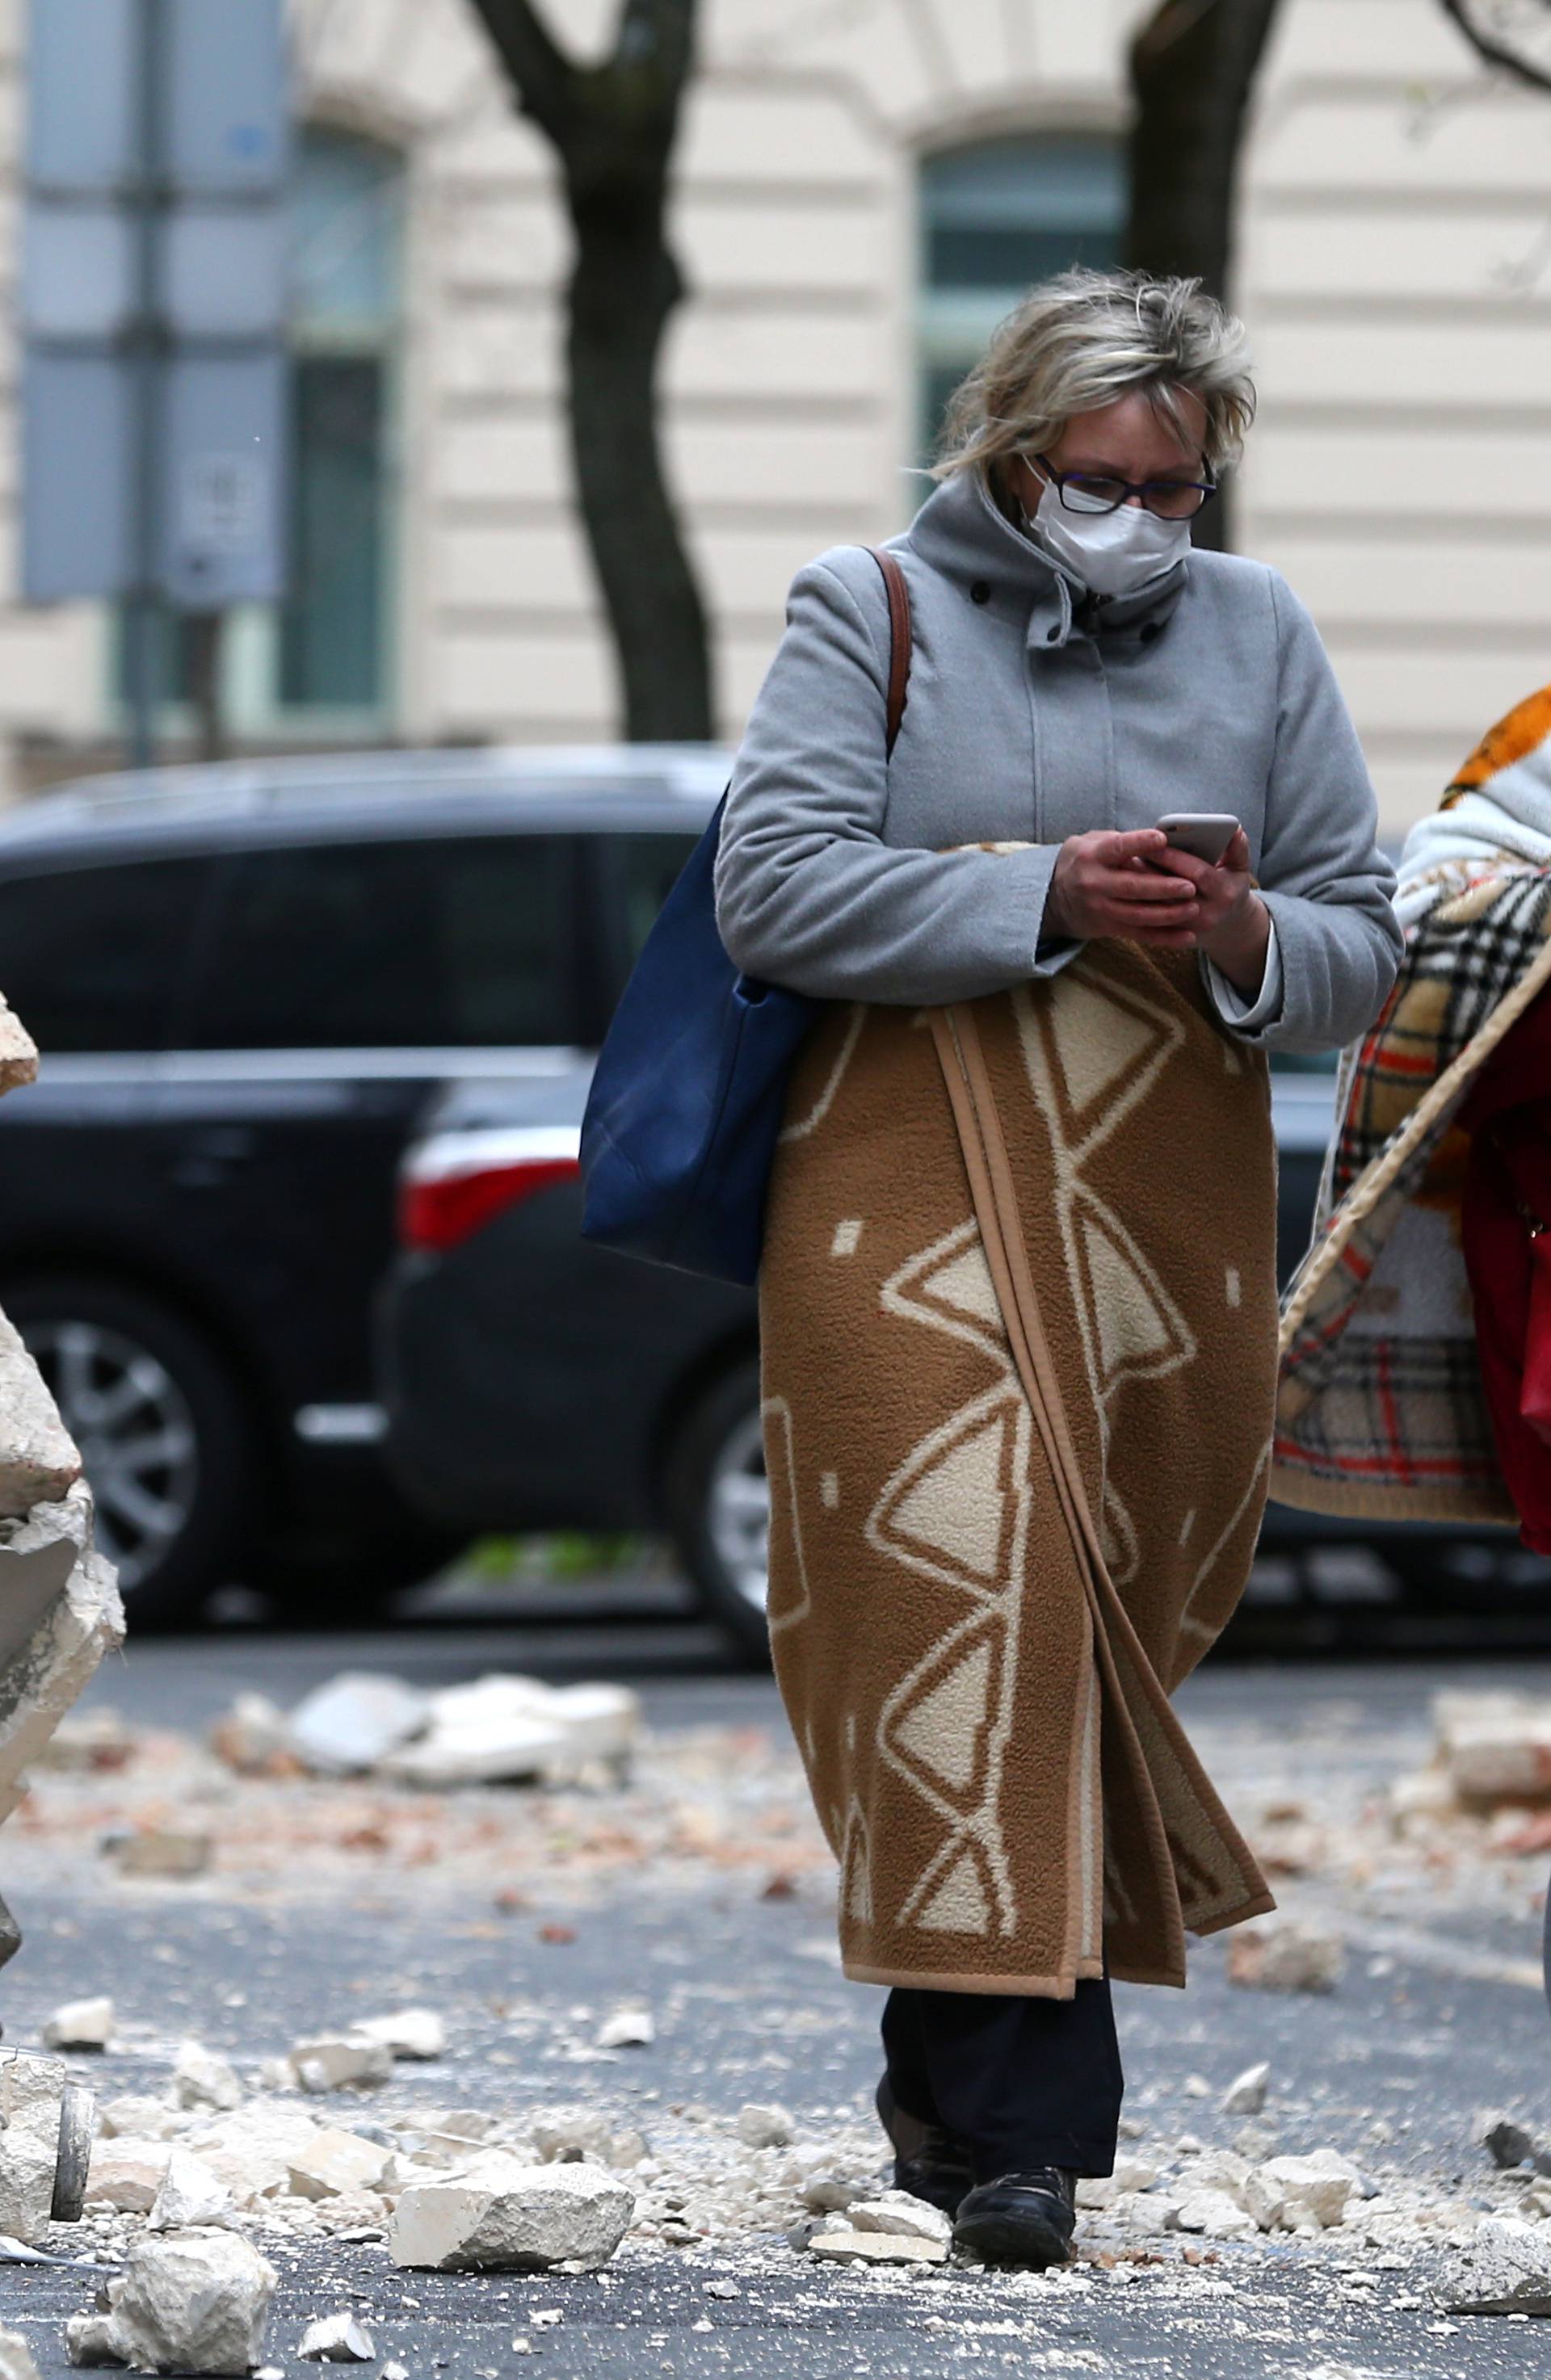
[456, 1182]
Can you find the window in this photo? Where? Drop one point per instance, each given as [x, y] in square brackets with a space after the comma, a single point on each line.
[327, 649]
[92, 958]
[459, 943]
[995, 218]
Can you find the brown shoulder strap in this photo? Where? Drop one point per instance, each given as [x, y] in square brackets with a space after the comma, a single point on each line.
[901, 637]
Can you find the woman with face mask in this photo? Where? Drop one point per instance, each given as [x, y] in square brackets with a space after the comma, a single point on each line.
[1017, 1297]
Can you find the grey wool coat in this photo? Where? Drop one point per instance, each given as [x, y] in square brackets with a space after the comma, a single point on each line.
[1037, 712]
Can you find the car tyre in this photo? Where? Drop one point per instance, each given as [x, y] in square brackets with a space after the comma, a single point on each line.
[169, 1445]
[354, 1579]
[719, 1507]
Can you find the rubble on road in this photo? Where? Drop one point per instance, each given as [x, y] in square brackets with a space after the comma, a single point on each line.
[1505, 2268]
[1494, 1747]
[16, 2357]
[1285, 1958]
[340, 2061]
[498, 1729]
[415, 2033]
[338, 2338]
[59, 1611]
[202, 2079]
[628, 2028]
[498, 2216]
[127, 2174]
[193, 2301]
[30, 2092]
[845, 2246]
[160, 1851]
[80, 2024]
[766, 2128]
[900, 2216]
[192, 2197]
[1245, 2095]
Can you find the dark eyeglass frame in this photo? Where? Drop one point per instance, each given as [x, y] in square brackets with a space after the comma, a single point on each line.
[1203, 489]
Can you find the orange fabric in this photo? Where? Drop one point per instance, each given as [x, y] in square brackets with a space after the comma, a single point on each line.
[1525, 727]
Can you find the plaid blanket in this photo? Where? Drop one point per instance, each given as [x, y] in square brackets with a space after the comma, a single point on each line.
[1381, 1412]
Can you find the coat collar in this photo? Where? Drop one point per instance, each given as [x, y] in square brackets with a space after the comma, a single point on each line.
[961, 531]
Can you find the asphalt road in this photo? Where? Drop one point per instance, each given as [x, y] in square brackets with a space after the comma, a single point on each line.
[1438, 2018]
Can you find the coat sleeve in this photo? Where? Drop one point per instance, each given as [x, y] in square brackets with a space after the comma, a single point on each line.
[807, 894]
[1327, 883]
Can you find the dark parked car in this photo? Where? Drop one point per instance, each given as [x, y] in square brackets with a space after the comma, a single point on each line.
[251, 985]
[535, 1381]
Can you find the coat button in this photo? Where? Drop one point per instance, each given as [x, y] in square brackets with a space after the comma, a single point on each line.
[1152, 629]
[1053, 636]
[980, 592]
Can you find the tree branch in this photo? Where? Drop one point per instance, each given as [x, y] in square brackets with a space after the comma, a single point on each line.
[1495, 51]
[662, 31]
[539, 71]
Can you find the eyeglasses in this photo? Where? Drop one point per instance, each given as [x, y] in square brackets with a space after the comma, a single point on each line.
[1170, 499]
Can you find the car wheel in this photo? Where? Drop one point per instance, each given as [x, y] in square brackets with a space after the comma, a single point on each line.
[719, 1508]
[163, 1432]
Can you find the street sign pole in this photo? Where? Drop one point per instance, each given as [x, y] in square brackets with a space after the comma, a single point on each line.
[145, 345]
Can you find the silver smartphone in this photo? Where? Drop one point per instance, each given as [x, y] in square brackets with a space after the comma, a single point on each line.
[1206, 834]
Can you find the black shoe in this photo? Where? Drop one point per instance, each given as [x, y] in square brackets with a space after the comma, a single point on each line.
[928, 2162]
[1024, 2218]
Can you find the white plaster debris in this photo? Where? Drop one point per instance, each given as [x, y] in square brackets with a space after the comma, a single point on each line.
[202, 2079]
[1505, 2267]
[333, 2162]
[900, 2216]
[60, 1613]
[628, 2028]
[1213, 2214]
[499, 2216]
[1245, 2095]
[193, 2301]
[127, 2174]
[1291, 2194]
[1284, 1957]
[418, 2035]
[502, 1729]
[192, 2197]
[851, 2247]
[355, 1720]
[81, 2024]
[765, 2127]
[340, 2061]
[336, 2338]
[161, 1850]
[253, 1736]
[39, 1462]
[1494, 1747]
[31, 2090]
[568, 2135]
[16, 2357]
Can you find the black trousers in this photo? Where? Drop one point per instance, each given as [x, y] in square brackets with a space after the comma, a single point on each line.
[1024, 2082]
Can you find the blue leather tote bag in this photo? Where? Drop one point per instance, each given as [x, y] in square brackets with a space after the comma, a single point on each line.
[690, 1085]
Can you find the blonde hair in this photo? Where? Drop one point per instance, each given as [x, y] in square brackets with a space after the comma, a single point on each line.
[1084, 339]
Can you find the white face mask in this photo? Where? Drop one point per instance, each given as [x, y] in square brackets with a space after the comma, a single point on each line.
[1115, 553]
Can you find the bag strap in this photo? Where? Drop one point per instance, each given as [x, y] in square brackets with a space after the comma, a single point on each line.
[901, 638]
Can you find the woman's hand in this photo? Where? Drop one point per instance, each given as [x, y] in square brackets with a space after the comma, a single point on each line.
[1233, 923]
[1105, 889]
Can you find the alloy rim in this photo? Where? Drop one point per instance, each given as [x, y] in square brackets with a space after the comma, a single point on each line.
[739, 1514]
[135, 1430]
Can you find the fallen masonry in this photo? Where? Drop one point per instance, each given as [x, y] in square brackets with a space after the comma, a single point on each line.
[498, 1730]
[338, 2338]
[194, 2302]
[502, 2217]
[16, 2357]
[1505, 2268]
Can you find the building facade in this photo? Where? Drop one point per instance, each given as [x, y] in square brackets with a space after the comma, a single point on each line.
[864, 186]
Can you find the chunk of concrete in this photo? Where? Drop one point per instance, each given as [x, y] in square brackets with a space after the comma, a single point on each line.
[162, 1851]
[413, 2034]
[900, 2216]
[253, 1736]
[1504, 2269]
[38, 1460]
[141, 2117]
[18, 1051]
[1494, 1747]
[876, 2247]
[762, 2126]
[355, 1720]
[193, 2301]
[510, 2217]
[191, 2196]
[568, 2135]
[336, 2338]
[1291, 2194]
[1245, 2095]
[16, 2357]
[335, 2162]
[1213, 2215]
[127, 2174]
[81, 2024]
[503, 1730]
[32, 2092]
[202, 2078]
[48, 1657]
[1285, 1958]
[252, 2148]
[341, 2061]
[628, 2028]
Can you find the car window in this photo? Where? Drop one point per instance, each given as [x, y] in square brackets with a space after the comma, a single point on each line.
[92, 958]
[442, 943]
[649, 865]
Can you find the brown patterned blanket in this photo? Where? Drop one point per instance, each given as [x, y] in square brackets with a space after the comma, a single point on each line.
[1020, 1327]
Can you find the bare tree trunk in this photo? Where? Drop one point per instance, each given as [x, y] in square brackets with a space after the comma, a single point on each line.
[1490, 32]
[201, 632]
[613, 127]
[1193, 72]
